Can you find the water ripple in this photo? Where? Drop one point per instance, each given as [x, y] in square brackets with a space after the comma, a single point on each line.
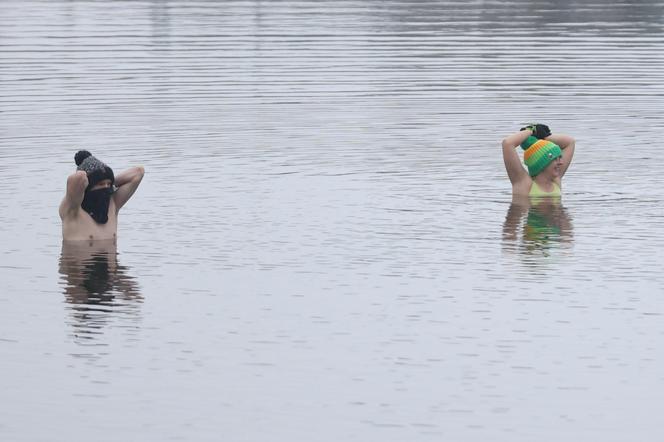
[325, 239]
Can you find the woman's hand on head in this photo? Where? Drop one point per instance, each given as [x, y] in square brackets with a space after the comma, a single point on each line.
[540, 131]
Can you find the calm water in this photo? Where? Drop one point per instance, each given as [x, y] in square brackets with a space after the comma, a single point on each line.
[323, 247]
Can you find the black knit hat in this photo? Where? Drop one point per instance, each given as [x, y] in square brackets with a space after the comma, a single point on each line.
[96, 170]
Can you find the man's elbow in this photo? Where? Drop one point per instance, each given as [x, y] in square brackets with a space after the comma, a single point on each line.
[138, 173]
[78, 179]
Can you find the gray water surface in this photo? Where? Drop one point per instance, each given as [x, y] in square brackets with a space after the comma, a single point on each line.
[324, 246]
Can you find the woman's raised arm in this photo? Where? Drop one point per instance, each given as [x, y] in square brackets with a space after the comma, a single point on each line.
[515, 170]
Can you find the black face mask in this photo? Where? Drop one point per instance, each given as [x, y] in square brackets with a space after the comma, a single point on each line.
[96, 203]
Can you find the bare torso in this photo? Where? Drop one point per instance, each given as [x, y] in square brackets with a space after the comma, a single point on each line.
[79, 226]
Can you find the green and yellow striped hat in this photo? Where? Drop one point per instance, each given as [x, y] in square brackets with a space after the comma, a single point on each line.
[539, 153]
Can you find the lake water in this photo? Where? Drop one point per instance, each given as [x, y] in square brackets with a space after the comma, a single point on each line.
[324, 247]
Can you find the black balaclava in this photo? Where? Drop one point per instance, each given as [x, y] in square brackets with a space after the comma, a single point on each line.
[95, 202]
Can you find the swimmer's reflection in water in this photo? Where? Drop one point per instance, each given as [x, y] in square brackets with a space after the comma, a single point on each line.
[537, 225]
[96, 286]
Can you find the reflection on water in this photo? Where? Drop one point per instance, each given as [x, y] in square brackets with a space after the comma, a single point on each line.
[535, 227]
[97, 287]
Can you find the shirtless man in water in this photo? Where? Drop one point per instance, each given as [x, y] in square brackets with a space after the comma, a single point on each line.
[94, 196]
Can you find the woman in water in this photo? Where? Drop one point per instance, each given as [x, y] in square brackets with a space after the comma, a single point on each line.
[547, 158]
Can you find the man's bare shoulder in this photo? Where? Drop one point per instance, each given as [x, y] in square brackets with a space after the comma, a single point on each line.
[66, 212]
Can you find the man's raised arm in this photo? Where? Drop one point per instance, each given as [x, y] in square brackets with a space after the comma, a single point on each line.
[76, 184]
[127, 182]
